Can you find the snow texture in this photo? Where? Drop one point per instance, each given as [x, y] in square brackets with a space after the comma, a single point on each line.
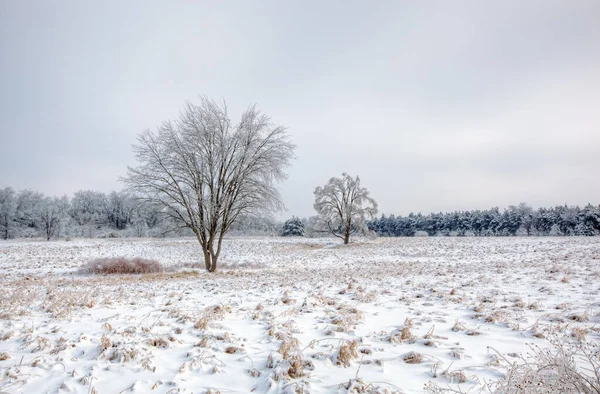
[287, 314]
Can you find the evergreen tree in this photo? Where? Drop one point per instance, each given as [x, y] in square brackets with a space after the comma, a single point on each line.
[293, 227]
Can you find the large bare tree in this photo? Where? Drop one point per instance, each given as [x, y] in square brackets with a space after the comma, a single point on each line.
[343, 206]
[203, 171]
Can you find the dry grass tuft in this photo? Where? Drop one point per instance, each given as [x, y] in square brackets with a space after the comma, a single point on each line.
[234, 350]
[4, 356]
[6, 336]
[413, 358]
[406, 334]
[216, 312]
[458, 353]
[296, 368]
[456, 376]
[346, 318]
[158, 342]
[104, 344]
[498, 315]
[347, 352]
[289, 345]
[359, 386]
[202, 323]
[579, 317]
[286, 298]
[362, 295]
[579, 333]
[61, 301]
[519, 303]
[255, 373]
[458, 326]
[121, 265]
[122, 353]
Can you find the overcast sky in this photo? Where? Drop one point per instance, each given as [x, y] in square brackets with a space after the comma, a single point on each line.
[437, 105]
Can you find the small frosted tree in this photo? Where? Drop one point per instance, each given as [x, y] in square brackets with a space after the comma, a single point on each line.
[8, 211]
[51, 214]
[28, 202]
[343, 206]
[292, 227]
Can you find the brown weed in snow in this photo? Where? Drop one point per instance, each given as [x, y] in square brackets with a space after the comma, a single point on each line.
[121, 265]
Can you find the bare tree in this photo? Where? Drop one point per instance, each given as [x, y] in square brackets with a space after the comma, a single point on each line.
[342, 206]
[51, 213]
[8, 209]
[204, 172]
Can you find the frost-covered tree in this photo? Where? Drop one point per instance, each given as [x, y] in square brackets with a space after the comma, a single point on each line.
[255, 225]
[120, 210]
[525, 212]
[8, 210]
[51, 214]
[311, 227]
[543, 221]
[568, 219]
[89, 210]
[343, 206]
[292, 227]
[28, 202]
[203, 171]
[588, 221]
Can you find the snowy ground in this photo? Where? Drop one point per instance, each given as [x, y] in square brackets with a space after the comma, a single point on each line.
[288, 315]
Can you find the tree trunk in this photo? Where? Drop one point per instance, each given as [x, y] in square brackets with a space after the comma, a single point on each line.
[5, 227]
[213, 266]
[207, 259]
[346, 237]
[210, 259]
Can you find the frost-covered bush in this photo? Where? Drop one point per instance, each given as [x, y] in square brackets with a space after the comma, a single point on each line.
[563, 368]
[121, 265]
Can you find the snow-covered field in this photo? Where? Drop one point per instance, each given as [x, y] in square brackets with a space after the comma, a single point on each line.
[289, 315]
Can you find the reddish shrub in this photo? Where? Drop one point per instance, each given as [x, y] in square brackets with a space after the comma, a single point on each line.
[121, 265]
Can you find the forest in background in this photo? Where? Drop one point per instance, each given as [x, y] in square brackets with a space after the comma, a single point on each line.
[93, 214]
[520, 220]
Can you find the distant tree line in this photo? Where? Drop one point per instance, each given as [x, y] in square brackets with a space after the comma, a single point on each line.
[93, 214]
[27, 213]
[561, 220]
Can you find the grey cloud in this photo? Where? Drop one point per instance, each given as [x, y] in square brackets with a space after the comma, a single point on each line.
[435, 105]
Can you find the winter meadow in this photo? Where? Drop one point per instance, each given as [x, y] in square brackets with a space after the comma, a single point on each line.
[158, 240]
[184, 282]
